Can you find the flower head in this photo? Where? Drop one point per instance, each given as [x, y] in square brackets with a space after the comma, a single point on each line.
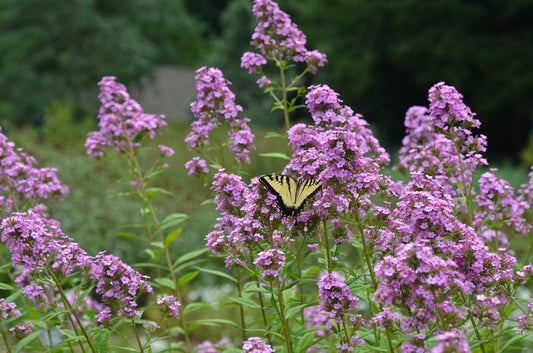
[269, 262]
[256, 345]
[121, 120]
[169, 306]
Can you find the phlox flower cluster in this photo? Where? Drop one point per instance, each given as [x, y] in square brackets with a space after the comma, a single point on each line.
[214, 107]
[256, 345]
[169, 306]
[451, 342]
[21, 183]
[118, 283]
[269, 262]
[435, 258]
[496, 204]
[39, 247]
[8, 309]
[340, 151]
[121, 120]
[278, 38]
[336, 298]
[209, 347]
[439, 141]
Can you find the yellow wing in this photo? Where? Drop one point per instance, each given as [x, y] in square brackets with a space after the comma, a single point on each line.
[291, 194]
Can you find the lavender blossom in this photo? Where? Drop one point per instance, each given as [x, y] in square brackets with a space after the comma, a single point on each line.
[269, 262]
[121, 119]
[169, 306]
[336, 297]
[256, 345]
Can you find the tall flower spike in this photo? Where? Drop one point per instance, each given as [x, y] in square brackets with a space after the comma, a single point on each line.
[214, 107]
[121, 119]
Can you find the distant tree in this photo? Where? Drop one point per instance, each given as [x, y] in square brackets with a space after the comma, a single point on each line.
[56, 49]
[384, 55]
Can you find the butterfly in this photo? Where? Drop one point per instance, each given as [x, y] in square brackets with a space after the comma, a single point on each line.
[290, 193]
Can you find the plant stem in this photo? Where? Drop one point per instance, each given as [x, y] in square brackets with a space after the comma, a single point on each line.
[285, 323]
[284, 95]
[241, 310]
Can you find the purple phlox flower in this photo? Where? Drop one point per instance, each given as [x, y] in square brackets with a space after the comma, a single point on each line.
[496, 204]
[34, 242]
[524, 274]
[214, 107]
[256, 345]
[439, 140]
[263, 82]
[150, 327]
[197, 166]
[487, 309]
[451, 342]
[121, 119]
[166, 151]
[420, 282]
[21, 182]
[278, 38]
[169, 306]
[317, 317]
[209, 347]
[118, 283]
[8, 309]
[269, 262]
[21, 330]
[104, 317]
[336, 297]
[340, 151]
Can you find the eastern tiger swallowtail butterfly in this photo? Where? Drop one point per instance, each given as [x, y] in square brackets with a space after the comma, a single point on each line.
[290, 193]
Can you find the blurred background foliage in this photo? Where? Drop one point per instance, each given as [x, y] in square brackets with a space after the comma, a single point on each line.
[383, 57]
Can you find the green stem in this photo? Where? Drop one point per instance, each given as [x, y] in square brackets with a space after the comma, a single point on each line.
[137, 336]
[284, 96]
[241, 309]
[281, 313]
[263, 313]
[5, 337]
[326, 244]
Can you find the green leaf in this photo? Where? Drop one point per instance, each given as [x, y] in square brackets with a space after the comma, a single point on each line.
[210, 322]
[165, 282]
[192, 307]
[100, 340]
[188, 256]
[303, 342]
[208, 202]
[217, 273]
[273, 134]
[4, 286]
[153, 192]
[275, 155]
[128, 235]
[246, 302]
[172, 236]
[187, 278]
[173, 220]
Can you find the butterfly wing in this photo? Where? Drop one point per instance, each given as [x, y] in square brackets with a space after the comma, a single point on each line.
[291, 194]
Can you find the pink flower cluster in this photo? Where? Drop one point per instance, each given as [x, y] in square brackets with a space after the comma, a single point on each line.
[21, 183]
[439, 141]
[256, 345]
[269, 262]
[214, 107]
[169, 306]
[121, 121]
[336, 297]
[210, 347]
[39, 246]
[277, 37]
[497, 204]
[340, 151]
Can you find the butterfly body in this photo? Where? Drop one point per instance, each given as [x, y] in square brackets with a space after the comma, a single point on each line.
[291, 194]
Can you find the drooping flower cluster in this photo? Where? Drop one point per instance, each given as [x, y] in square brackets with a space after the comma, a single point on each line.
[336, 297]
[269, 262]
[121, 120]
[256, 345]
[169, 306]
[214, 107]
[439, 141]
[118, 283]
[21, 183]
[496, 204]
[278, 38]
